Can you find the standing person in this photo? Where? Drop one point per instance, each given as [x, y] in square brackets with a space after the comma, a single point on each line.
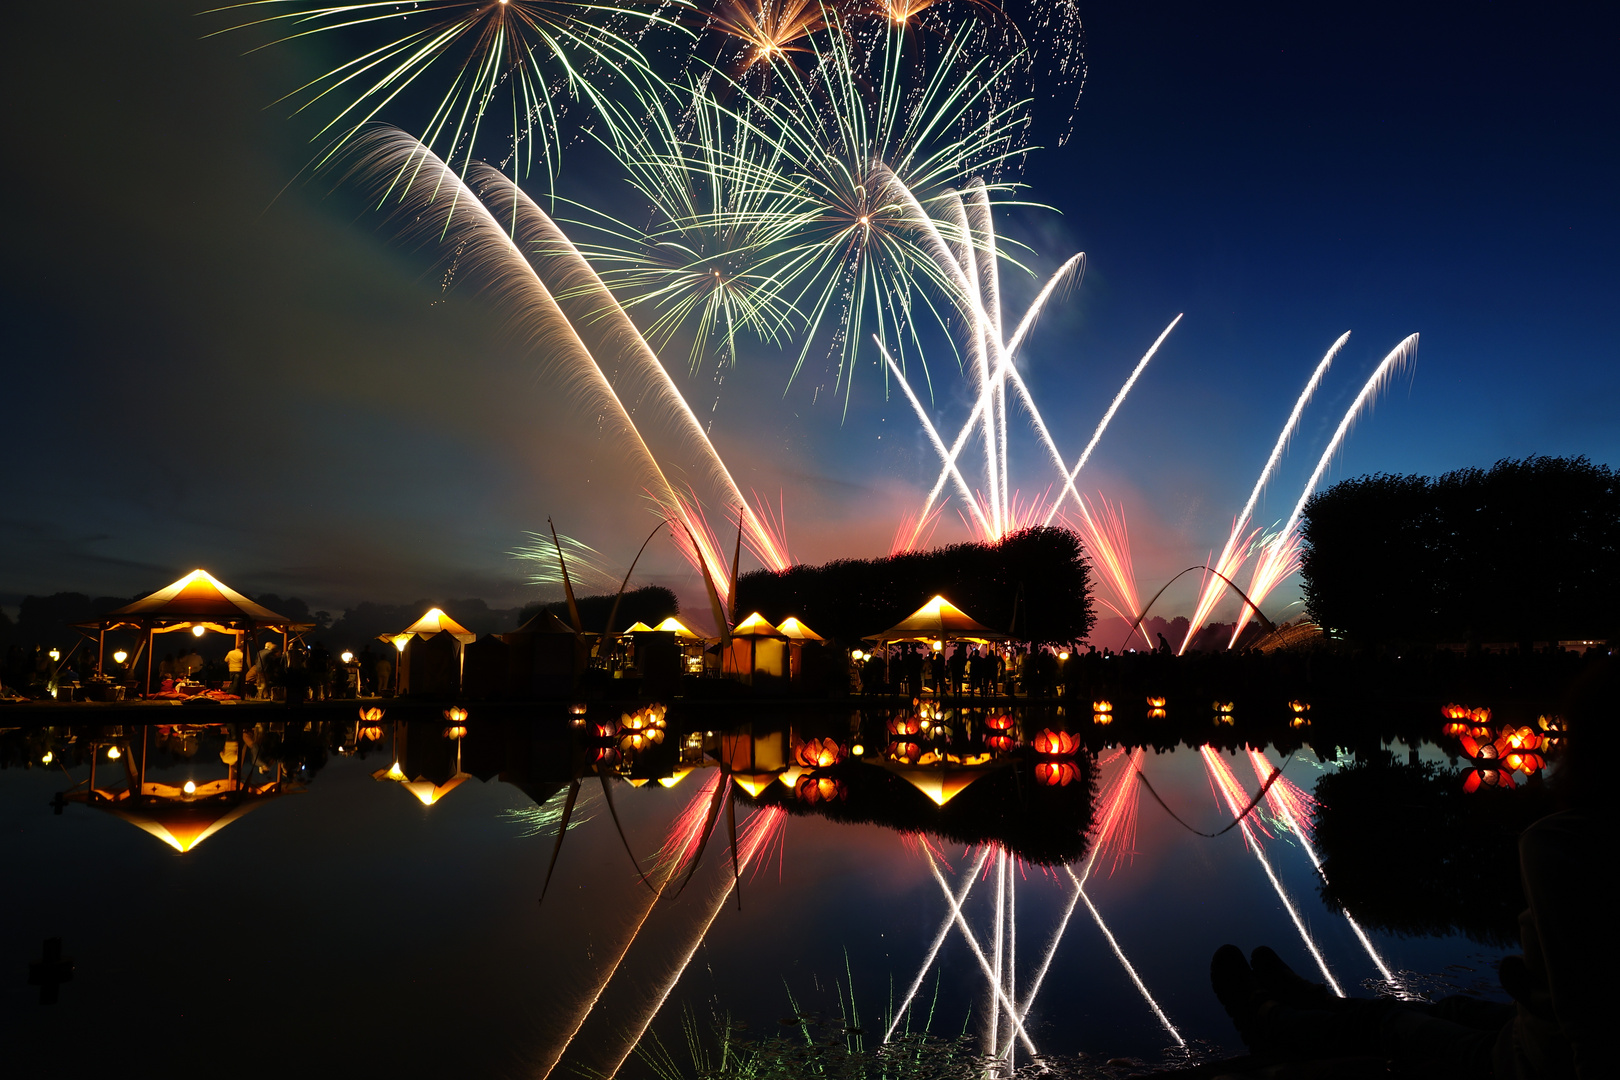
[367, 661]
[958, 666]
[262, 664]
[234, 661]
[385, 673]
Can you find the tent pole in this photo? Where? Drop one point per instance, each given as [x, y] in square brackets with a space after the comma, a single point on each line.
[101, 648]
[149, 633]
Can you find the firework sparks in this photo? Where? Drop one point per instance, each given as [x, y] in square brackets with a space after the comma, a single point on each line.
[1222, 779]
[1234, 553]
[1296, 809]
[1280, 557]
[513, 58]
[968, 881]
[588, 567]
[1109, 545]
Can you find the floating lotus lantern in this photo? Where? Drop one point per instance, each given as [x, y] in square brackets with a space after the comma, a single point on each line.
[1056, 773]
[905, 725]
[1000, 743]
[371, 733]
[576, 715]
[608, 755]
[1478, 778]
[904, 752]
[1299, 722]
[1299, 708]
[819, 789]
[999, 722]
[1102, 706]
[371, 715]
[1103, 718]
[1056, 743]
[456, 714]
[1155, 702]
[1455, 712]
[1223, 706]
[1552, 728]
[1157, 714]
[818, 753]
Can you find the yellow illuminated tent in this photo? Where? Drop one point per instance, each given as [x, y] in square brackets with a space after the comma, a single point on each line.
[679, 629]
[941, 784]
[197, 600]
[435, 621]
[938, 620]
[433, 663]
[794, 630]
[756, 647]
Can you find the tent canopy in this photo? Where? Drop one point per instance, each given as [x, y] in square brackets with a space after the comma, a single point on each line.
[198, 599]
[938, 620]
[755, 625]
[674, 624]
[794, 630]
[433, 622]
[544, 622]
[637, 627]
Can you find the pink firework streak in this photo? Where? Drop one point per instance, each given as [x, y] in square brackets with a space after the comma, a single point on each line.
[686, 834]
[765, 532]
[1109, 545]
[1289, 802]
[1115, 828]
[1227, 566]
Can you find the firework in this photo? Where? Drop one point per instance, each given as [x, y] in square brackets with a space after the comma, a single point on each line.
[1222, 779]
[496, 61]
[1280, 557]
[1109, 546]
[1233, 554]
[587, 566]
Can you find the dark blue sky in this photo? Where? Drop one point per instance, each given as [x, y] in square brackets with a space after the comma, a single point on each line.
[199, 372]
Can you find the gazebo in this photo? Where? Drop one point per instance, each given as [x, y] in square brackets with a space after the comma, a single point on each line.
[431, 666]
[756, 647]
[938, 620]
[197, 602]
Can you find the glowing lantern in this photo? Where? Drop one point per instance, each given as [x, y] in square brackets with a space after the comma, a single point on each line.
[1001, 743]
[456, 714]
[1300, 722]
[198, 631]
[120, 656]
[1155, 702]
[47, 758]
[576, 715]
[857, 749]
[904, 752]
[1478, 778]
[455, 731]
[1298, 707]
[1223, 706]
[113, 753]
[1102, 718]
[1223, 718]
[1525, 763]
[999, 722]
[1056, 743]
[190, 787]
[371, 733]
[819, 789]
[1456, 712]
[1056, 773]
[818, 753]
[905, 725]
[371, 715]
[1102, 706]
[608, 755]
[1157, 714]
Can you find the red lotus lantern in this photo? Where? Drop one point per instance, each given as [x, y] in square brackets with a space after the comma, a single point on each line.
[999, 722]
[1478, 778]
[1056, 743]
[1000, 743]
[1456, 712]
[905, 725]
[1056, 773]
[608, 755]
[818, 753]
[903, 752]
[819, 789]
[1155, 702]
[1102, 706]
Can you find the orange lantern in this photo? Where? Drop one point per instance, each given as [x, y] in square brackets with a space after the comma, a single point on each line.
[372, 733]
[1478, 778]
[1223, 706]
[999, 722]
[1300, 722]
[1155, 702]
[1157, 714]
[1298, 707]
[608, 755]
[905, 725]
[819, 789]
[818, 753]
[1057, 743]
[371, 715]
[455, 731]
[1102, 706]
[1456, 712]
[904, 752]
[456, 714]
[1056, 773]
[1000, 743]
[1480, 716]
[1102, 718]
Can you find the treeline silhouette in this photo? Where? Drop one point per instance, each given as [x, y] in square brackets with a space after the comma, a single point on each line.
[1035, 582]
[1526, 551]
[650, 604]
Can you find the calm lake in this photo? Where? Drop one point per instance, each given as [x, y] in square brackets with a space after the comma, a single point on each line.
[348, 897]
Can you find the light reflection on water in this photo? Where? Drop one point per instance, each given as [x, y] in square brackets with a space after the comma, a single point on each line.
[374, 928]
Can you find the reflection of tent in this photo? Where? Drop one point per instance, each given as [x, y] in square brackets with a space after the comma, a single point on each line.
[425, 790]
[938, 620]
[939, 784]
[198, 599]
[185, 825]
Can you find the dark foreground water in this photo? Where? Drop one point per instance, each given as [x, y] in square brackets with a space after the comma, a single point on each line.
[341, 916]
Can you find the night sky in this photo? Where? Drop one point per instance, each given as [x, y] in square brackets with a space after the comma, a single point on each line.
[212, 361]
